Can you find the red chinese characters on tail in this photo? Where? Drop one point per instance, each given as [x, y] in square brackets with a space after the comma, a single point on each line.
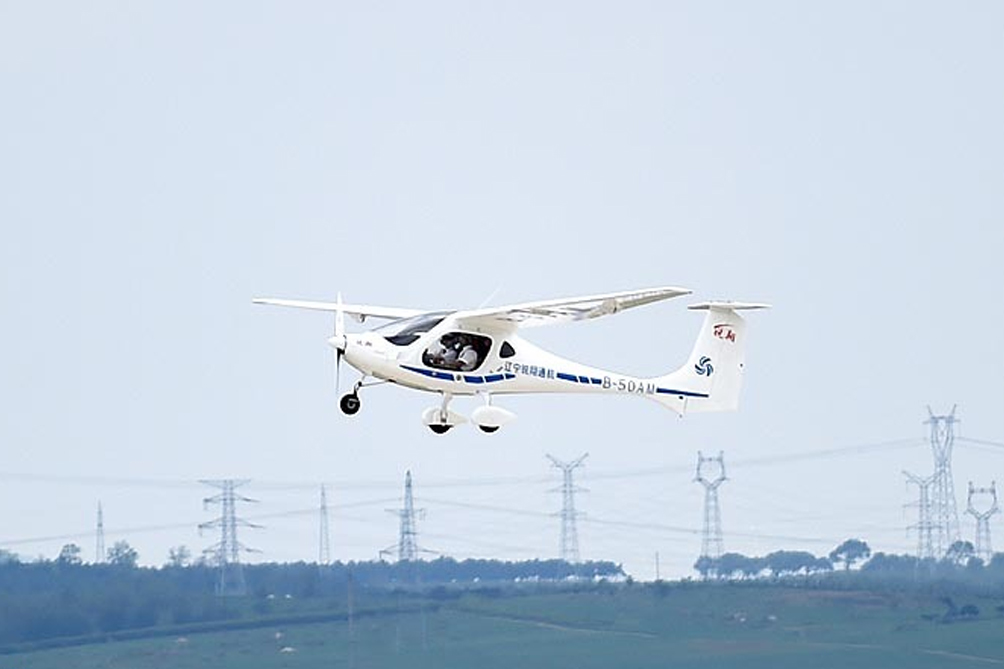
[724, 331]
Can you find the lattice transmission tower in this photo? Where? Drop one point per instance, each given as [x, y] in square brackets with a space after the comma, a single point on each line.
[407, 547]
[984, 549]
[711, 537]
[226, 553]
[569, 529]
[99, 538]
[324, 539]
[944, 512]
[924, 525]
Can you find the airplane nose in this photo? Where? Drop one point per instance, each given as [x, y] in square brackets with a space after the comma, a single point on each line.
[338, 342]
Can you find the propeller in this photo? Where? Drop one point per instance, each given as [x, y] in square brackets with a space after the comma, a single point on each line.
[338, 342]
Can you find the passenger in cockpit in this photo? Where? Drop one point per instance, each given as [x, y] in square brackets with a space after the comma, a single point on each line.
[468, 359]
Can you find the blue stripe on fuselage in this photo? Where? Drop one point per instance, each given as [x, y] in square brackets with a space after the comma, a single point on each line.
[447, 376]
[684, 393]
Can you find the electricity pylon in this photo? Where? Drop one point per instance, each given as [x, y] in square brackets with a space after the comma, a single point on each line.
[984, 549]
[711, 537]
[407, 548]
[324, 540]
[924, 525]
[944, 513]
[99, 537]
[226, 552]
[569, 530]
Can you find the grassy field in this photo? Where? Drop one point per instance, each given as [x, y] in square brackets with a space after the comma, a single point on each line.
[696, 626]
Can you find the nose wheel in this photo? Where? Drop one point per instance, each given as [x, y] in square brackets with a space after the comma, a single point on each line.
[349, 404]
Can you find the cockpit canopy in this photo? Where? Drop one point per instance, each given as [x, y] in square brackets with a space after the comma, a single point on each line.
[407, 330]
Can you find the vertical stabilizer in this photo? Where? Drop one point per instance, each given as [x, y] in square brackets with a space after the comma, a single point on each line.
[712, 377]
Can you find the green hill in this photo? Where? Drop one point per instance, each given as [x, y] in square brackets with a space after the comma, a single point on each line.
[683, 625]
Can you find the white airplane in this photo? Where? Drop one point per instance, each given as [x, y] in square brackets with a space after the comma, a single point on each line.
[480, 352]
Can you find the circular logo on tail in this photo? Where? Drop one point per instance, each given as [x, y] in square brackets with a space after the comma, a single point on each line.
[704, 367]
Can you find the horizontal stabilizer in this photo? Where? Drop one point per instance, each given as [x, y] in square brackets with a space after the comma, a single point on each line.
[734, 306]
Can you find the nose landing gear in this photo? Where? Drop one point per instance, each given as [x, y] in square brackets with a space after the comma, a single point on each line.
[349, 404]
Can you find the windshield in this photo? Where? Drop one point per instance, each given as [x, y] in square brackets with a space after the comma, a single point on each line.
[408, 330]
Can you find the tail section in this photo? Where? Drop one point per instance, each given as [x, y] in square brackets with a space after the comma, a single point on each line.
[712, 377]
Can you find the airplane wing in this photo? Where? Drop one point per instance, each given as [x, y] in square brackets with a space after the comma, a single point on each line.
[533, 314]
[358, 311]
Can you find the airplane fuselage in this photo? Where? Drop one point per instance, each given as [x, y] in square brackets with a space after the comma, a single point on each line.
[526, 369]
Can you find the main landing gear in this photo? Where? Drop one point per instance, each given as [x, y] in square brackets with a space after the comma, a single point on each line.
[440, 419]
[488, 418]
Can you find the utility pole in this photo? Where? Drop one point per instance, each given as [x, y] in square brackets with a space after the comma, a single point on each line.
[569, 531]
[99, 538]
[324, 544]
[711, 537]
[924, 525]
[945, 514]
[984, 549]
[226, 553]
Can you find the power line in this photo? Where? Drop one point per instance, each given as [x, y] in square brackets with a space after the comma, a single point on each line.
[449, 483]
[627, 524]
[108, 481]
[695, 532]
[493, 545]
[151, 483]
[981, 442]
[890, 445]
[150, 529]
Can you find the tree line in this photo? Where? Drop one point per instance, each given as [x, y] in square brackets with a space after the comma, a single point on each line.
[48, 599]
[853, 562]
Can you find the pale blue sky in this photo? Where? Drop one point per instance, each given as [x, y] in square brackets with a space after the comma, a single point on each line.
[163, 163]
